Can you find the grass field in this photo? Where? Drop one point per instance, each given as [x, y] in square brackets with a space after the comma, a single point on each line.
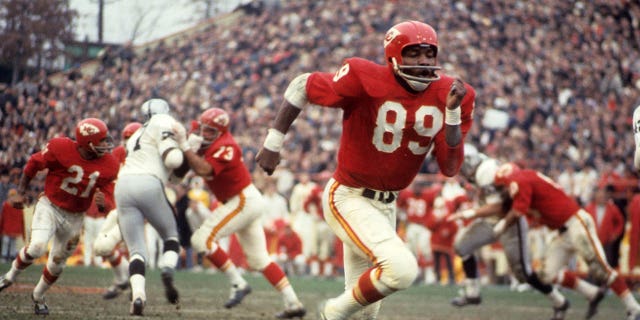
[77, 295]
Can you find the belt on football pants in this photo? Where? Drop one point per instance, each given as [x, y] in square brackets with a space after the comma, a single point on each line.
[382, 196]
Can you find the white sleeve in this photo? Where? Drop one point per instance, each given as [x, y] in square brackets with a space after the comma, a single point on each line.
[168, 147]
[296, 92]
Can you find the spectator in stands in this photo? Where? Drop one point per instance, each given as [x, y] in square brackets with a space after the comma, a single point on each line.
[609, 223]
[11, 228]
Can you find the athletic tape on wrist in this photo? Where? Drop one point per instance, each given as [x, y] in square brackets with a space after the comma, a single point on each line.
[468, 214]
[452, 117]
[274, 140]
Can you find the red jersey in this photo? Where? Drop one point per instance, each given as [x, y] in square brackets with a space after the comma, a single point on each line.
[387, 131]
[230, 175]
[314, 199]
[611, 226]
[633, 210]
[540, 198]
[120, 152]
[290, 244]
[72, 180]
[414, 205]
[11, 221]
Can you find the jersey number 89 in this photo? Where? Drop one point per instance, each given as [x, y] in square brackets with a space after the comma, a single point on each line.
[395, 128]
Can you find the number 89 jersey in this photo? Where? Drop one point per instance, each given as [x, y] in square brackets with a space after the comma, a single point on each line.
[72, 180]
[387, 131]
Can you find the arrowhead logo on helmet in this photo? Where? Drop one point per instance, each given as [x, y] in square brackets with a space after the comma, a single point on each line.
[87, 129]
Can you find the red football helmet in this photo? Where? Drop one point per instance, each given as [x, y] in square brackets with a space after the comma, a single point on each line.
[504, 173]
[92, 134]
[130, 129]
[405, 34]
[213, 123]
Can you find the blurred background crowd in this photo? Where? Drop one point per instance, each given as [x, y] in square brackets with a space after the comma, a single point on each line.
[556, 84]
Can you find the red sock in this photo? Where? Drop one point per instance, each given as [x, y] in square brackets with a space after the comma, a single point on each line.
[365, 292]
[23, 264]
[569, 280]
[115, 258]
[619, 286]
[275, 276]
[220, 259]
[48, 277]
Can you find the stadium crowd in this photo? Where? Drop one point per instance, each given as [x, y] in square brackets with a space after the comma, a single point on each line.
[556, 84]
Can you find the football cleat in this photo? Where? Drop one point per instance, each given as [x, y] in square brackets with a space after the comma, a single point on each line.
[561, 311]
[593, 303]
[137, 307]
[5, 283]
[296, 312]
[633, 315]
[115, 290]
[40, 307]
[237, 295]
[169, 290]
[464, 300]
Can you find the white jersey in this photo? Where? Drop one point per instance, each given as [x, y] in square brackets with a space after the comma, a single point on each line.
[145, 148]
[636, 137]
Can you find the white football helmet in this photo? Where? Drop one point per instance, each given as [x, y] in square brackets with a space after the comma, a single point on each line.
[152, 107]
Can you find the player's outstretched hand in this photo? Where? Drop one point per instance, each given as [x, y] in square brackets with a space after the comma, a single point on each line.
[195, 141]
[180, 135]
[268, 160]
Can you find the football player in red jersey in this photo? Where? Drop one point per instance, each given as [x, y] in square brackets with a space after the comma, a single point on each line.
[415, 202]
[219, 161]
[109, 236]
[76, 169]
[393, 116]
[543, 201]
[636, 137]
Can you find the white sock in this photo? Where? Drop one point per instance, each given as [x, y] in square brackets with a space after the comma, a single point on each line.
[137, 287]
[557, 299]
[586, 289]
[342, 306]
[40, 289]
[630, 302]
[290, 298]
[234, 276]
[472, 288]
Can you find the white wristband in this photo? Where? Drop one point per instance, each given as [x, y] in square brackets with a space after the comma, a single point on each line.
[185, 146]
[274, 140]
[452, 116]
[468, 213]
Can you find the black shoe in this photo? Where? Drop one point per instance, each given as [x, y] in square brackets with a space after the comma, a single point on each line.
[137, 307]
[4, 283]
[169, 290]
[593, 303]
[463, 300]
[237, 295]
[561, 311]
[298, 312]
[115, 290]
[40, 307]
